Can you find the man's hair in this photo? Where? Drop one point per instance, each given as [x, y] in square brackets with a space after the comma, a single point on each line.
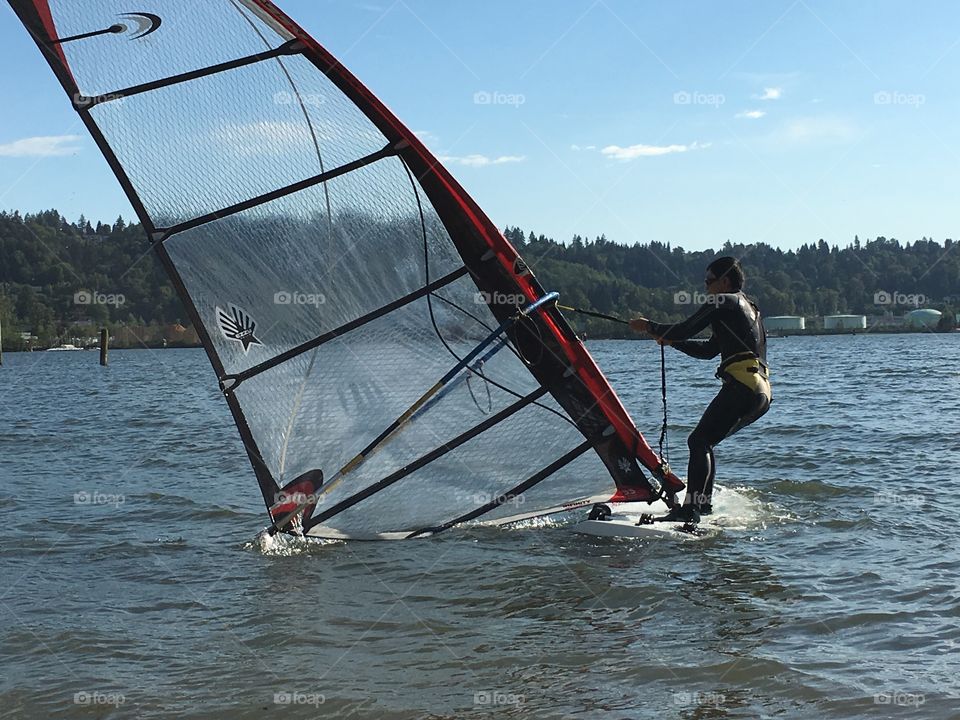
[728, 267]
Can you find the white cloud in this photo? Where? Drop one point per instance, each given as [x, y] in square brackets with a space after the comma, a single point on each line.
[481, 160]
[43, 146]
[752, 114]
[771, 93]
[823, 129]
[637, 151]
[427, 138]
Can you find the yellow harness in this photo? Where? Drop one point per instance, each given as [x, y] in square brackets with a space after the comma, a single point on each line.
[746, 369]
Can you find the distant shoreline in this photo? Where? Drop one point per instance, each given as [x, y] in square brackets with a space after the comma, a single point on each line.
[777, 335]
[780, 334]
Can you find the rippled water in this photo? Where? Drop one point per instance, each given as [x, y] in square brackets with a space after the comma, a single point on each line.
[131, 587]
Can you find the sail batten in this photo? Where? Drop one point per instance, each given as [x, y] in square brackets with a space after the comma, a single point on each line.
[509, 495]
[427, 458]
[330, 303]
[347, 327]
[387, 151]
[83, 102]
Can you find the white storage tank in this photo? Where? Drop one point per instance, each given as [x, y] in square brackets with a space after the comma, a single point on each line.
[923, 318]
[845, 322]
[784, 322]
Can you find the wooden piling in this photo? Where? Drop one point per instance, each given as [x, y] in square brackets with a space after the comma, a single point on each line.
[104, 347]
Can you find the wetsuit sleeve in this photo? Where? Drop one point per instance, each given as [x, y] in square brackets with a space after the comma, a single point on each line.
[686, 329]
[701, 349]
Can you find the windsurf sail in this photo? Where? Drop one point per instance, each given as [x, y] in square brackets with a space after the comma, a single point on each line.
[392, 364]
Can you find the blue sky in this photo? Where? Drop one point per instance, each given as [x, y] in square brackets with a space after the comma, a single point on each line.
[690, 123]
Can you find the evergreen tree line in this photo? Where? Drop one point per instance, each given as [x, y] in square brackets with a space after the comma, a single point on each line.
[874, 278]
[56, 275]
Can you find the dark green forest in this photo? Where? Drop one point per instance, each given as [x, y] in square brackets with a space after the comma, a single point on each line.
[874, 277]
[61, 280]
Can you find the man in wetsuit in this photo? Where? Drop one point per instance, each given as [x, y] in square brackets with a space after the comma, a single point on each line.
[739, 338]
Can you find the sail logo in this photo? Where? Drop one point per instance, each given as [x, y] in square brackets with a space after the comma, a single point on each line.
[135, 25]
[237, 325]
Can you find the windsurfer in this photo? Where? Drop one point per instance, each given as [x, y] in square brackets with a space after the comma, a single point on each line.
[739, 338]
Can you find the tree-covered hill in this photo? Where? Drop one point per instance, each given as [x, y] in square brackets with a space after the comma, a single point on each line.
[57, 278]
[877, 277]
[60, 279]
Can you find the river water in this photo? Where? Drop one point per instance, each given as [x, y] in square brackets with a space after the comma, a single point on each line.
[132, 586]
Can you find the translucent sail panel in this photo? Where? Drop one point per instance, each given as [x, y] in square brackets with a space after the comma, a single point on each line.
[583, 477]
[329, 294]
[299, 272]
[156, 39]
[321, 408]
[198, 147]
[476, 473]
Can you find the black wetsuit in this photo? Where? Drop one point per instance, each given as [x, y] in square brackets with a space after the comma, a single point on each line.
[739, 338]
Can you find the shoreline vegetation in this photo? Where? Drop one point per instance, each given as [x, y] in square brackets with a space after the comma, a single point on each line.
[61, 281]
[586, 338]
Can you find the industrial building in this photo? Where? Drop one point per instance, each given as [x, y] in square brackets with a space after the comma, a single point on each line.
[784, 323]
[845, 322]
[924, 318]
